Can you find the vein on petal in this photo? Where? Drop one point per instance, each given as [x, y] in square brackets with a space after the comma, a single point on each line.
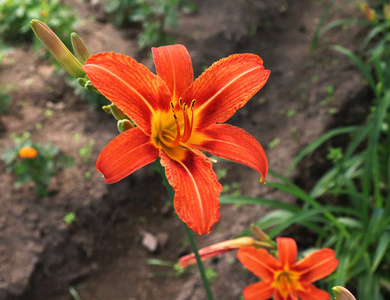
[227, 85]
[123, 81]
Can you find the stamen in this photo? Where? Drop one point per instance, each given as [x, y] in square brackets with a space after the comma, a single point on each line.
[187, 125]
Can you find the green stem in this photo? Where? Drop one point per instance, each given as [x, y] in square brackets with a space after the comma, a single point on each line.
[190, 236]
[199, 262]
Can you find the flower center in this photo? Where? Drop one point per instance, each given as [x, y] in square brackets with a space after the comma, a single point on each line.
[172, 134]
[286, 282]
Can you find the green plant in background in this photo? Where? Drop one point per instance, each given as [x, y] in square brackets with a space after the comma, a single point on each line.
[33, 161]
[86, 151]
[5, 100]
[156, 17]
[15, 16]
[69, 218]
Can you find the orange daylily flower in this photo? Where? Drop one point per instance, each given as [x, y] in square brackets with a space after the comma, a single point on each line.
[285, 278]
[28, 152]
[176, 119]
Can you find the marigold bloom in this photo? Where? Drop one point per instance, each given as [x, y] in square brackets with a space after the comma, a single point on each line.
[285, 278]
[176, 119]
[219, 249]
[28, 152]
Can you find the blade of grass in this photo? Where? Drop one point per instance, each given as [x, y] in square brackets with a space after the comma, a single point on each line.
[317, 35]
[318, 142]
[358, 62]
[380, 251]
[259, 201]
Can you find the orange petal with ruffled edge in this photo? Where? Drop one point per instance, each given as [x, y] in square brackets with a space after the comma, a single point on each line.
[259, 262]
[125, 154]
[258, 291]
[225, 87]
[316, 265]
[196, 188]
[174, 66]
[232, 143]
[311, 292]
[287, 251]
[129, 85]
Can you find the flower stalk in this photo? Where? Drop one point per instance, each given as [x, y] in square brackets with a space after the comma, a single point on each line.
[189, 233]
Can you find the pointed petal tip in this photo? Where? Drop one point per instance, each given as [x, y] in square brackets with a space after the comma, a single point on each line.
[262, 179]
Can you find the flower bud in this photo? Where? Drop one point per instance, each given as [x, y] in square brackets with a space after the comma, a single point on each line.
[124, 125]
[367, 11]
[386, 11]
[62, 54]
[89, 86]
[79, 48]
[117, 113]
[107, 108]
[82, 81]
[341, 293]
[260, 234]
[217, 249]
[28, 152]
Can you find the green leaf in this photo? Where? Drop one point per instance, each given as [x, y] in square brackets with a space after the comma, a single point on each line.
[318, 142]
[380, 251]
[258, 201]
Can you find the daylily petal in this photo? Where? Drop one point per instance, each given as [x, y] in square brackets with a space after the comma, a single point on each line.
[279, 296]
[225, 87]
[258, 291]
[196, 188]
[287, 251]
[259, 262]
[129, 85]
[310, 292]
[174, 66]
[125, 154]
[316, 265]
[232, 143]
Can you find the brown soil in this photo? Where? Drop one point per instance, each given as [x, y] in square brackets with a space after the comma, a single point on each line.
[101, 255]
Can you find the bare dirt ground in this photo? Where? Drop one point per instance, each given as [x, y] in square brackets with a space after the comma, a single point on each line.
[101, 255]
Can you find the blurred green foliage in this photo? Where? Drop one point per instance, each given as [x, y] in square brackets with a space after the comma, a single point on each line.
[156, 18]
[5, 100]
[15, 17]
[40, 168]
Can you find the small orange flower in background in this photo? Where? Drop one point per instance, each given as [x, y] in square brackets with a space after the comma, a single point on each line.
[28, 152]
[176, 119]
[285, 278]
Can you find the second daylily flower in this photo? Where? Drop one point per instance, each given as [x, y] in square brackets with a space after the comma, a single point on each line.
[285, 278]
[176, 119]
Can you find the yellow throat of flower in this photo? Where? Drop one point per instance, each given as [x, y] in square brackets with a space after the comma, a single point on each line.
[173, 128]
[287, 281]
